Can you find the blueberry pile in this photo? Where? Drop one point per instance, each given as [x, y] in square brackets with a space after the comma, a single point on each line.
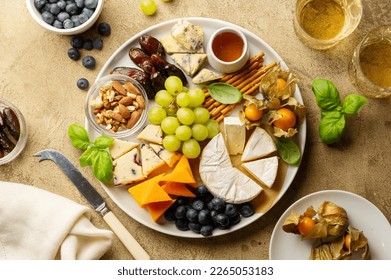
[204, 213]
[66, 14]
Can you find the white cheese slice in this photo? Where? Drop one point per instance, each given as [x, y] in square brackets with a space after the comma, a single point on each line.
[215, 155]
[150, 161]
[206, 76]
[127, 169]
[121, 147]
[189, 35]
[259, 144]
[151, 133]
[265, 170]
[170, 158]
[234, 135]
[190, 63]
[171, 45]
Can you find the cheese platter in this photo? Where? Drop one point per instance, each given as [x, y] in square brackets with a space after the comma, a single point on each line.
[269, 196]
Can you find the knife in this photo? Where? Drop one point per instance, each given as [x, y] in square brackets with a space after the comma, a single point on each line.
[95, 200]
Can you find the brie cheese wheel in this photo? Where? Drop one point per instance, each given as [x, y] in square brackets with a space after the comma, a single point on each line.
[150, 161]
[259, 144]
[170, 158]
[121, 147]
[190, 63]
[264, 170]
[189, 36]
[151, 133]
[235, 135]
[206, 76]
[127, 168]
[215, 155]
[171, 45]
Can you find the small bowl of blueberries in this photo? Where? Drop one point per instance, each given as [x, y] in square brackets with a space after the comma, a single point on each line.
[65, 17]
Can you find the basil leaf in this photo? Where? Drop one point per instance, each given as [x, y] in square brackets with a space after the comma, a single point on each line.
[353, 103]
[224, 93]
[331, 127]
[103, 166]
[326, 94]
[288, 150]
[79, 136]
[88, 157]
[103, 141]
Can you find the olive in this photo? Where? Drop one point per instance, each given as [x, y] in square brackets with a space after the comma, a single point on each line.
[5, 142]
[12, 122]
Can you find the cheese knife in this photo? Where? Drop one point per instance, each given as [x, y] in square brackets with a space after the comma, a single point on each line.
[96, 201]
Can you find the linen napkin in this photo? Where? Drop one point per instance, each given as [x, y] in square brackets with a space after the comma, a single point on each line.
[38, 225]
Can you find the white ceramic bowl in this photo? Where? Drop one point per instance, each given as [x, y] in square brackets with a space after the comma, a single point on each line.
[72, 31]
[230, 66]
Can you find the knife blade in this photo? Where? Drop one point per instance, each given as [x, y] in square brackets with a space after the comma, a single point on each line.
[95, 200]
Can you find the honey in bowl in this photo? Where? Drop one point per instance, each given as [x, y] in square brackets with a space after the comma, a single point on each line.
[227, 46]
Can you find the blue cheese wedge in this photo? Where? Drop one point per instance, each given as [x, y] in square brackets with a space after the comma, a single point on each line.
[206, 76]
[127, 169]
[150, 161]
[260, 144]
[189, 36]
[190, 63]
[264, 170]
[151, 133]
[121, 147]
[170, 158]
[171, 45]
[235, 135]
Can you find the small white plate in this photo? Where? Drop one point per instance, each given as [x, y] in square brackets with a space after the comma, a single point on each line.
[362, 215]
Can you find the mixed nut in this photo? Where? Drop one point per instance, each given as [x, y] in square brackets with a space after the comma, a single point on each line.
[119, 105]
[9, 130]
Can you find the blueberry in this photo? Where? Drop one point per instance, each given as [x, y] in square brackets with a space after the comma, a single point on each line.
[198, 204]
[72, 9]
[222, 221]
[218, 204]
[54, 9]
[182, 224]
[180, 212]
[104, 29]
[61, 4]
[82, 83]
[230, 210]
[91, 4]
[52, 1]
[246, 210]
[169, 214]
[88, 45]
[87, 12]
[46, 8]
[97, 43]
[58, 24]
[47, 17]
[207, 197]
[68, 24]
[82, 18]
[79, 3]
[75, 20]
[192, 215]
[204, 217]
[201, 191]
[181, 201]
[73, 53]
[235, 219]
[89, 62]
[63, 16]
[195, 227]
[77, 42]
[39, 4]
[206, 230]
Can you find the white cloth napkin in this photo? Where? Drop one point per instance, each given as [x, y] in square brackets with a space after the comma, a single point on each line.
[38, 225]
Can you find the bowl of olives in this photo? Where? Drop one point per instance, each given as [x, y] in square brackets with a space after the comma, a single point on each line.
[13, 133]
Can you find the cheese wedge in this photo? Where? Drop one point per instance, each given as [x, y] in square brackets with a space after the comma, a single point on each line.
[234, 135]
[181, 174]
[189, 35]
[190, 63]
[259, 144]
[206, 76]
[157, 209]
[150, 161]
[149, 191]
[177, 189]
[171, 45]
[127, 168]
[264, 170]
[151, 133]
[215, 155]
[121, 147]
[170, 158]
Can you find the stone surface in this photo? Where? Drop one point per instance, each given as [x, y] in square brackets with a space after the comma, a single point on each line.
[38, 77]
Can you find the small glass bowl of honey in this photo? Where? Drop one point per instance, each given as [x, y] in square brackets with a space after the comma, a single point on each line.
[228, 50]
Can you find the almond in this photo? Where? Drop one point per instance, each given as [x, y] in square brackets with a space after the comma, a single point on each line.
[131, 88]
[124, 111]
[116, 116]
[127, 100]
[141, 102]
[118, 87]
[133, 119]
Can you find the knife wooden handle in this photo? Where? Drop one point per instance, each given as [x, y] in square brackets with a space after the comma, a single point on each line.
[126, 238]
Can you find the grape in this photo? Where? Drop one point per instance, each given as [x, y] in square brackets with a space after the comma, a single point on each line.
[185, 89]
[173, 85]
[202, 115]
[185, 116]
[183, 99]
[156, 115]
[183, 132]
[148, 7]
[197, 97]
[191, 148]
[163, 98]
[213, 128]
[171, 109]
[171, 143]
[200, 132]
[169, 125]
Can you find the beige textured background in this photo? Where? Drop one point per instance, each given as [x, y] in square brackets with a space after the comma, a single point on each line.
[38, 77]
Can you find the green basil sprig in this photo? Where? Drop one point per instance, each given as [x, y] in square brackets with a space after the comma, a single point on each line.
[224, 93]
[95, 153]
[333, 110]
